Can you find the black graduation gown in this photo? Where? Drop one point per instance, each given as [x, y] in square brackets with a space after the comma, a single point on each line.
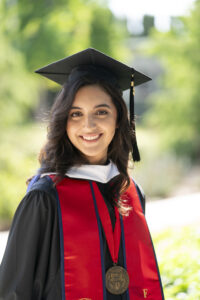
[30, 269]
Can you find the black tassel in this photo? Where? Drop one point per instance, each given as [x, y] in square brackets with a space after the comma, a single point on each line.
[135, 150]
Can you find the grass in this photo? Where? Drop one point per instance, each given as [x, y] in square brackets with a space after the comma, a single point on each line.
[179, 262]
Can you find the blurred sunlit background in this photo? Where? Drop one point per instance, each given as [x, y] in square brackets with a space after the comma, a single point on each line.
[159, 38]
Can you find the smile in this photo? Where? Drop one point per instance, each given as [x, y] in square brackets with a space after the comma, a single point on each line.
[91, 137]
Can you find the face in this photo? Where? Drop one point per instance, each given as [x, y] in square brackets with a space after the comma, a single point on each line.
[92, 122]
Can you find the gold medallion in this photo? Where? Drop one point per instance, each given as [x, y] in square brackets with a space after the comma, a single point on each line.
[117, 280]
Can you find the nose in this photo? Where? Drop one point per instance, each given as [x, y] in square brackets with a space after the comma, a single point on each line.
[89, 121]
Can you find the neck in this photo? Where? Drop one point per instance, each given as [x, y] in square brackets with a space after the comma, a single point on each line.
[93, 161]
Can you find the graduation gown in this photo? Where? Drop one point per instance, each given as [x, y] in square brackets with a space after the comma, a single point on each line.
[31, 266]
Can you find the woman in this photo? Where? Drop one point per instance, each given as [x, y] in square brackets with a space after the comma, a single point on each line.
[80, 231]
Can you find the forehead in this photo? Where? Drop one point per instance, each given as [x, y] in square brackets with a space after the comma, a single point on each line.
[92, 95]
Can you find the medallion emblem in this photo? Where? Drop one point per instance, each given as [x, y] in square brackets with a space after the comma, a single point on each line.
[117, 280]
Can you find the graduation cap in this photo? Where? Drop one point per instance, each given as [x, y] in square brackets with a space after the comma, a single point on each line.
[127, 77]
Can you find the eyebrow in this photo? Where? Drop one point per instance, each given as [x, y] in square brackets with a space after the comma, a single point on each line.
[97, 106]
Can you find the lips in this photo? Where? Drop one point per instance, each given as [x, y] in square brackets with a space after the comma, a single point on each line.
[91, 138]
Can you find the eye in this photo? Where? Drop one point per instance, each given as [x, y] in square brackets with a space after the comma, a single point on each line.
[75, 114]
[101, 112]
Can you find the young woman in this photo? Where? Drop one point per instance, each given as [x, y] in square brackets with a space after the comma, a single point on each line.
[80, 231]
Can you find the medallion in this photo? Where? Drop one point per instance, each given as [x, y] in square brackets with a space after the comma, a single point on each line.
[117, 280]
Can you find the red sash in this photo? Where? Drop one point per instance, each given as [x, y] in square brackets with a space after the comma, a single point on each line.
[84, 274]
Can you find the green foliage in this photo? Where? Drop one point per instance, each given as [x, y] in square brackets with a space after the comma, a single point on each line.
[46, 32]
[18, 90]
[18, 162]
[53, 31]
[178, 257]
[106, 32]
[175, 113]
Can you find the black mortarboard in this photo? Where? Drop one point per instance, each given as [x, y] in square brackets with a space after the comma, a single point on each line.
[127, 77]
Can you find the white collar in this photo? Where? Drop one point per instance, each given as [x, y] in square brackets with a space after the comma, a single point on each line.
[100, 173]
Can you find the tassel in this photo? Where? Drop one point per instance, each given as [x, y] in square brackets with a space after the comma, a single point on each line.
[135, 150]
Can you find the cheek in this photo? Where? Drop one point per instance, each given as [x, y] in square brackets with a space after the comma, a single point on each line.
[70, 129]
[112, 124]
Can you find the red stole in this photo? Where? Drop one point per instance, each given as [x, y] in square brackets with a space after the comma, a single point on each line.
[83, 262]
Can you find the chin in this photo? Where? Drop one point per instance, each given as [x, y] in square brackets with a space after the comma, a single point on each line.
[95, 158]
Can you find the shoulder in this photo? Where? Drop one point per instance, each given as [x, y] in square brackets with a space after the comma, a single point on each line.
[43, 184]
[41, 193]
[36, 210]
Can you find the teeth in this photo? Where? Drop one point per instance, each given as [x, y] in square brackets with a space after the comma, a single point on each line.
[89, 138]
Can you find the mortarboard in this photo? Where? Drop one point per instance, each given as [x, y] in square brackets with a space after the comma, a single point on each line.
[127, 77]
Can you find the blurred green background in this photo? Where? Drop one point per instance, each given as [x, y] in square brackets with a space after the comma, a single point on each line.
[33, 34]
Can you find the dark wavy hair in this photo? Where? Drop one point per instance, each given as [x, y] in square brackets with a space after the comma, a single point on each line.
[59, 154]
